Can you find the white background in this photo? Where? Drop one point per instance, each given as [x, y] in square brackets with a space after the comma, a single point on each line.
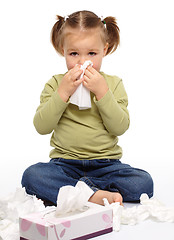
[144, 60]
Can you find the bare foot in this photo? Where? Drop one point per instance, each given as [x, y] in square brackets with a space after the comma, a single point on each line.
[112, 197]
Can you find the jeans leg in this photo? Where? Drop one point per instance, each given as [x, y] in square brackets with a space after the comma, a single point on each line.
[132, 182]
[45, 179]
[115, 176]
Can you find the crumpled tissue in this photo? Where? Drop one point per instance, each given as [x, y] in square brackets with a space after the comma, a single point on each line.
[71, 199]
[13, 206]
[149, 209]
[81, 97]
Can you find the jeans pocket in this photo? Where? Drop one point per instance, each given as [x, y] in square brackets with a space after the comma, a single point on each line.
[55, 160]
[103, 160]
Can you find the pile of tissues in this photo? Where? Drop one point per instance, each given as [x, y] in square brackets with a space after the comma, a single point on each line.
[11, 207]
[148, 209]
[20, 204]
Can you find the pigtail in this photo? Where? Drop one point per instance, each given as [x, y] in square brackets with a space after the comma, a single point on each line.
[86, 20]
[113, 33]
[56, 34]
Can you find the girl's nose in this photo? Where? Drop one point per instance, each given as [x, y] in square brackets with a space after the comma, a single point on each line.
[82, 60]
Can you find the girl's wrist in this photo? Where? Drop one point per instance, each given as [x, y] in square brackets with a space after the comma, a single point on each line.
[63, 95]
[101, 93]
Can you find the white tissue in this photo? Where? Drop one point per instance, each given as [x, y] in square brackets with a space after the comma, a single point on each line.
[149, 209]
[72, 198]
[117, 212]
[156, 209]
[81, 97]
[13, 206]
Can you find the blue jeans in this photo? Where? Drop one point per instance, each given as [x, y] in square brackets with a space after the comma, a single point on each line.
[45, 179]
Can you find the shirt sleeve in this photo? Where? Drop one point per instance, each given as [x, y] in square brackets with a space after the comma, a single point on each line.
[50, 109]
[113, 110]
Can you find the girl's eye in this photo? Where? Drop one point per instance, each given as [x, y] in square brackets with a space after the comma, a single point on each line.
[92, 53]
[73, 53]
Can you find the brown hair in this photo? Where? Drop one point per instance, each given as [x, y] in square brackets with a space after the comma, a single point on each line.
[86, 20]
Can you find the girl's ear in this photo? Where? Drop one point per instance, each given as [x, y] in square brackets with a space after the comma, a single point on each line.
[62, 51]
[105, 49]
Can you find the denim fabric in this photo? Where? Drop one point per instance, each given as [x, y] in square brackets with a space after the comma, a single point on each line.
[45, 179]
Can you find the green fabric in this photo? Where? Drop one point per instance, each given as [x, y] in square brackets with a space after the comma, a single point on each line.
[84, 134]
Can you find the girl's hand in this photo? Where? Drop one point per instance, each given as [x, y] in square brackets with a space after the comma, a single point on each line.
[70, 83]
[95, 82]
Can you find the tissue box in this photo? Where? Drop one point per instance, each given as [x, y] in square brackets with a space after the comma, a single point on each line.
[94, 221]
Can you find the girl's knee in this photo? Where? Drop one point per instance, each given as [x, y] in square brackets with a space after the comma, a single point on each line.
[30, 175]
[150, 186]
[146, 184]
[142, 183]
[25, 177]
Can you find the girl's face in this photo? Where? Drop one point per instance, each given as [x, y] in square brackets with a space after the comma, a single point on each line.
[81, 45]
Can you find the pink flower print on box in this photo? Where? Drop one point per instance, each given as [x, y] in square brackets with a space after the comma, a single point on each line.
[107, 219]
[66, 224]
[41, 229]
[40, 226]
[25, 225]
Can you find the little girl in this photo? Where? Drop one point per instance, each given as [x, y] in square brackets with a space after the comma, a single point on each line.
[85, 141]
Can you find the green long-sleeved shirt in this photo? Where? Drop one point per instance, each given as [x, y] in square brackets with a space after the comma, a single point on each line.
[84, 134]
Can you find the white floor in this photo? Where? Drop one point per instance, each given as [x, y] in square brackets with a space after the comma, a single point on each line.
[163, 190]
[149, 230]
[145, 231]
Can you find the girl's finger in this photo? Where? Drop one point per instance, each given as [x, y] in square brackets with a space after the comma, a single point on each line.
[86, 78]
[85, 84]
[91, 69]
[75, 69]
[88, 73]
[76, 74]
[78, 82]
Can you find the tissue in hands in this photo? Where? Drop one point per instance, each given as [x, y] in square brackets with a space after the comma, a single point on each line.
[81, 97]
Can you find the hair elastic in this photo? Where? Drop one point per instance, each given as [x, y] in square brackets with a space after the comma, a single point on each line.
[66, 17]
[103, 21]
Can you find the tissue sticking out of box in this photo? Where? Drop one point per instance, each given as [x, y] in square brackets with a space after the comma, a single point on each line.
[71, 199]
